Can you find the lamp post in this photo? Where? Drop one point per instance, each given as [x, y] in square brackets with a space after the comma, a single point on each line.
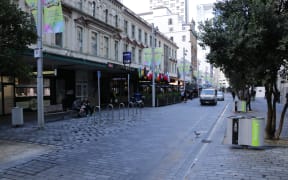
[39, 57]
[184, 64]
[153, 64]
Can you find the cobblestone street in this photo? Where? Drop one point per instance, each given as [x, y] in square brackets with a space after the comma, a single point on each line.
[151, 144]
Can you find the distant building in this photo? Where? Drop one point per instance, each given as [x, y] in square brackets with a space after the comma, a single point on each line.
[184, 35]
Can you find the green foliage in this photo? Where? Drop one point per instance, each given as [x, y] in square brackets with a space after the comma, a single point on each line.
[17, 31]
[247, 39]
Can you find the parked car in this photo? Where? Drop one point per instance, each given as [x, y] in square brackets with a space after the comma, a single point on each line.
[220, 96]
[208, 96]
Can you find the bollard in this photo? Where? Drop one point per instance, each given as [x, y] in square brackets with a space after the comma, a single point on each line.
[122, 109]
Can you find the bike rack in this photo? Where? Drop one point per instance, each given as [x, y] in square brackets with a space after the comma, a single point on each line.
[97, 109]
[130, 105]
[110, 108]
[122, 110]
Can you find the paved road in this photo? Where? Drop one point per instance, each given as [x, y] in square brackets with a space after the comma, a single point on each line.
[157, 144]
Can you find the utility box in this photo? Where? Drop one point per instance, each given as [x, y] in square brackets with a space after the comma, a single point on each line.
[17, 116]
[247, 131]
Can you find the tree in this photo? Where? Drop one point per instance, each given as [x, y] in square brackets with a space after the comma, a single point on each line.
[248, 41]
[17, 31]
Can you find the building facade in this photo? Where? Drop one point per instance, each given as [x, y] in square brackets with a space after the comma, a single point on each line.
[91, 48]
[182, 34]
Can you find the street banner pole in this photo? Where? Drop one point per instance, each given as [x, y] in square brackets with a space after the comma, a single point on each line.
[40, 113]
[153, 66]
[99, 93]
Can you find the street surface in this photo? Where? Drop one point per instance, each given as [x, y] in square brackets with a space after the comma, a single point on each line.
[152, 144]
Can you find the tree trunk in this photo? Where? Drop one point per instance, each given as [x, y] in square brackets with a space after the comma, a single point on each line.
[269, 125]
[279, 130]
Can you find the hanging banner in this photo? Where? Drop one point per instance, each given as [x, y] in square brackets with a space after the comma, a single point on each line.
[158, 56]
[184, 68]
[52, 16]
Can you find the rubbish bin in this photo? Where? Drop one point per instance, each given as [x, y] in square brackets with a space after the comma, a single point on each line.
[240, 106]
[251, 131]
[17, 116]
[245, 131]
[232, 131]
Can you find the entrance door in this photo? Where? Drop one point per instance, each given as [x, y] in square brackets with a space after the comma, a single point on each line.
[8, 95]
[82, 90]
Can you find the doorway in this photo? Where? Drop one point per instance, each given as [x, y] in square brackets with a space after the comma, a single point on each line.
[6, 98]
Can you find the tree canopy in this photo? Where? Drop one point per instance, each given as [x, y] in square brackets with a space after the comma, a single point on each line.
[248, 40]
[17, 31]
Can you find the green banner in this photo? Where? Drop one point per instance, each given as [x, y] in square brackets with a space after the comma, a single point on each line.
[158, 54]
[52, 16]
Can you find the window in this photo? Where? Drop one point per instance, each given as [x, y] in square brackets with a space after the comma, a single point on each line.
[170, 22]
[172, 38]
[80, 39]
[159, 43]
[145, 38]
[183, 38]
[80, 4]
[106, 47]
[116, 21]
[140, 35]
[126, 27]
[171, 29]
[106, 16]
[150, 41]
[125, 47]
[133, 54]
[140, 56]
[59, 39]
[133, 30]
[93, 8]
[116, 45]
[94, 43]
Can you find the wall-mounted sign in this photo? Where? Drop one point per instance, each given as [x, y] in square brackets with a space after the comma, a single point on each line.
[126, 57]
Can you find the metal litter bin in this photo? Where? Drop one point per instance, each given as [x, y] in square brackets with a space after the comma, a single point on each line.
[240, 106]
[247, 131]
[251, 131]
[17, 116]
[232, 131]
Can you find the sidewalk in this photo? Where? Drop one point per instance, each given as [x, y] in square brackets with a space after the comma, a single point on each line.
[220, 161]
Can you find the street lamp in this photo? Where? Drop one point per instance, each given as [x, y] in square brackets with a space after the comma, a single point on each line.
[154, 30]
[184, 64]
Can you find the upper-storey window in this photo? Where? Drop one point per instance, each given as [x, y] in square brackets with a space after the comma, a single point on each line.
[140, 35]
[133, 30]
[80, 39]
[106, 16]
[126, 27]
[116, 21]
[59, 39]
[150, 41]
[106, 47]
[170, 22]
[93, 8]
[80, 4]
[133, 54]
[145, 38]
[94, 43]
[116, 50]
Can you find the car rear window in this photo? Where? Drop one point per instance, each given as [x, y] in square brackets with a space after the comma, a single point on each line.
[208, 91]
